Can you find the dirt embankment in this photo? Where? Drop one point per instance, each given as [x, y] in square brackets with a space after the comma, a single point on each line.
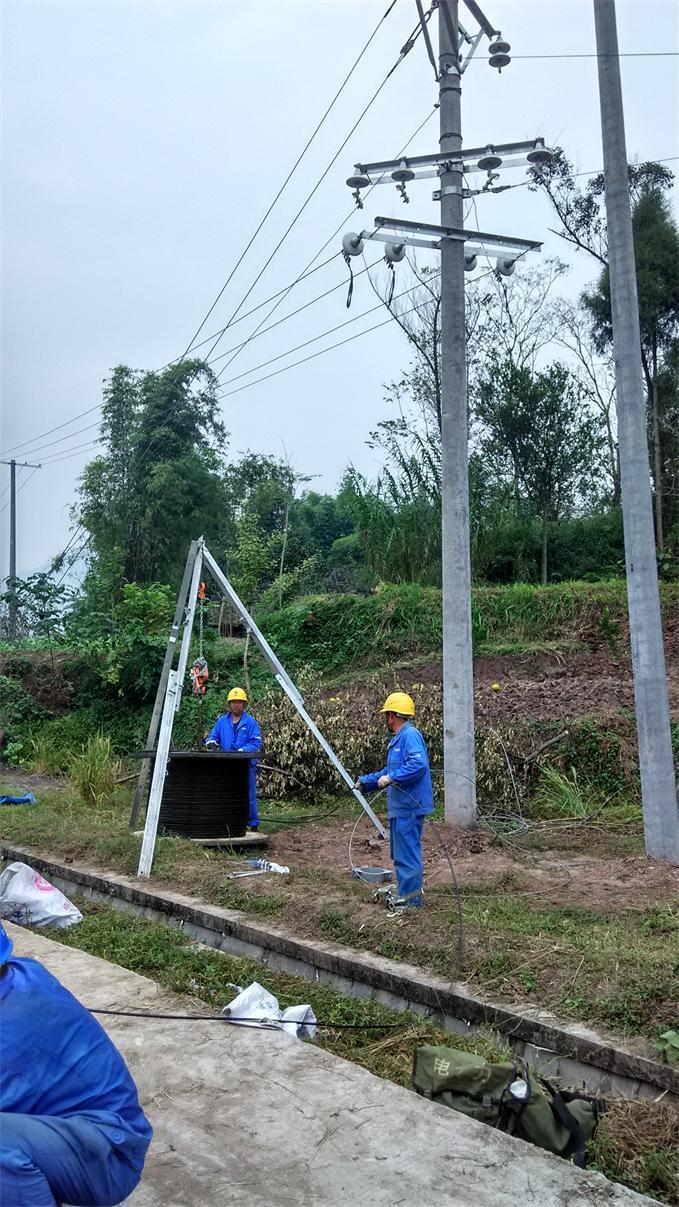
[589, 679]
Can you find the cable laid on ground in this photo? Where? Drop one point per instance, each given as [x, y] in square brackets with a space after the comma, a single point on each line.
[225, 1018]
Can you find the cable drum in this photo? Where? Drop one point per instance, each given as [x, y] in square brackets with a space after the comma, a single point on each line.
[205, 795]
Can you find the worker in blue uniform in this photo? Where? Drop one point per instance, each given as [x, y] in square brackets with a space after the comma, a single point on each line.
[238, 730]
[71, 1127]
[410, 797]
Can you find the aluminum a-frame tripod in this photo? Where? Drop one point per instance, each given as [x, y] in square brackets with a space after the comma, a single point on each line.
[169, 694]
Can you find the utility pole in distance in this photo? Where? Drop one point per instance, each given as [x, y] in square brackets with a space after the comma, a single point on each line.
[458, 677]
[658, 790]
[459, 251]
[13, 532]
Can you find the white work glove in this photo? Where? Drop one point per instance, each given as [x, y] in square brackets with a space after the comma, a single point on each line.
[211, 745]
[384, 781]
[358, 785]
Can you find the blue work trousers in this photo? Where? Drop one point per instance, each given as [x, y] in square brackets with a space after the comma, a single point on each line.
[405, 837]
[253, 819]
[47, 1159]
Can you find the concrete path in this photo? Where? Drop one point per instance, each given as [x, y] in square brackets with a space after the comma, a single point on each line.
[259, 1119]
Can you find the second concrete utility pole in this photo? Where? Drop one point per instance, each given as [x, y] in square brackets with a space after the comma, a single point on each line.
[658, 791]
[458, 683]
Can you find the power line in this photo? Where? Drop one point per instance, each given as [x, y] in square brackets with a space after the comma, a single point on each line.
[292, 314]
[290, 174]
[331, 331]
[328, 240]
[405, 49]
[331, 347]
[261, 224]
[241, 318]
[61, 439]
[65, 454]
[49, 431]
[629, 54]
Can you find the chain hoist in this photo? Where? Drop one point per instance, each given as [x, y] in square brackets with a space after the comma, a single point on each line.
[199, 671]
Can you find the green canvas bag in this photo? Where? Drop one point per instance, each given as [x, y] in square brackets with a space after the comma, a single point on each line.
[509, 1097]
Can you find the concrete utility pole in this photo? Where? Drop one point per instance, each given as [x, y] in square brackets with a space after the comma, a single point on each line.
[458, 683]
[661, 818]
[459, 251]
[13, 531]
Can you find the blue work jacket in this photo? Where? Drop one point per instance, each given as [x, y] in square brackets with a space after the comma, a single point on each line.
[244, 735]
[408, 768]
[58, 1060]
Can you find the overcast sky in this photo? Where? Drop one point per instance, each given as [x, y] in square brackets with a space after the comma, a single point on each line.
[143, 141]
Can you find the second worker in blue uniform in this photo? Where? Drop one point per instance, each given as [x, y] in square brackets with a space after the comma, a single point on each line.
[410, 797]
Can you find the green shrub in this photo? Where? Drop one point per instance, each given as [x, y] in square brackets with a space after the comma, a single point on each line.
[19, 714]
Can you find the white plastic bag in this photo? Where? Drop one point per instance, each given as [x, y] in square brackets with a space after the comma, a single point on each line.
[256, 1007]
[29, 900]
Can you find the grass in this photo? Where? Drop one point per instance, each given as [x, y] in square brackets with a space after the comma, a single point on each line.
[634, 1143]
[617, 968]
[174, 961]
[330, 632]
[93, 771]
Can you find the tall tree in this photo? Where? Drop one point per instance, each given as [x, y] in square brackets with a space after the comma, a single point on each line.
[656, 253]
[582, 223]
[539, 434]
[158, 482]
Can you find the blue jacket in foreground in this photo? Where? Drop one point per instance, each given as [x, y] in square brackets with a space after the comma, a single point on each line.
[58, 1060]
[408, 767]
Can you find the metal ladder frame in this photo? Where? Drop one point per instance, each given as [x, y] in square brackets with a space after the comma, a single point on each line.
[168, 698]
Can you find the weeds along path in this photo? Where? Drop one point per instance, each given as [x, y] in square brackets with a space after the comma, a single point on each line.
[583, 927]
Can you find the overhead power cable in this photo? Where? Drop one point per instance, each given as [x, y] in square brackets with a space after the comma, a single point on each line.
[405, 49]
[331, 347]
[289, 176]
[20, 487]
[291, 314]
[322, 249]
[66, 453]
[314, 338]
[60, 439]
[59, 426]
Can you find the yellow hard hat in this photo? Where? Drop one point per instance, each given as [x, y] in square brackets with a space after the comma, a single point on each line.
[236, 693]
[399, 702]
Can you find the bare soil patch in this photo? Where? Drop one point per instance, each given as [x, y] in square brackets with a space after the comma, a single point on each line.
[555, 876]
[28, 781]
[592, 678]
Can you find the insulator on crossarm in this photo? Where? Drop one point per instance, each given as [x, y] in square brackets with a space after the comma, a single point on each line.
[394, 252]
[352, 244]
[505, 267]
[499, 54]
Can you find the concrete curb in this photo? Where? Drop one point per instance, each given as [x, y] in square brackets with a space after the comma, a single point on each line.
[567, 1050]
